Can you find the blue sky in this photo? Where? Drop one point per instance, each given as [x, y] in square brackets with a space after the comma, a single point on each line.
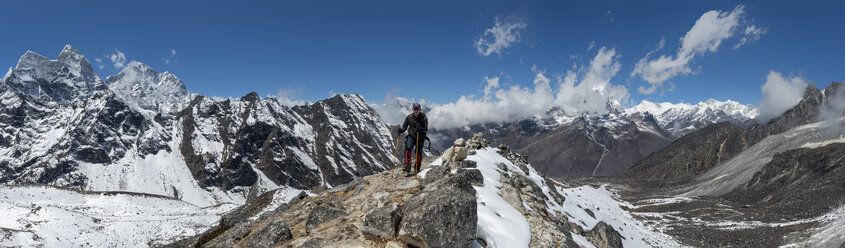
[428, 49]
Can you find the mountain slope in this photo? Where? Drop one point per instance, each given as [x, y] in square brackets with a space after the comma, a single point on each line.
[721, 142]
[141, 131]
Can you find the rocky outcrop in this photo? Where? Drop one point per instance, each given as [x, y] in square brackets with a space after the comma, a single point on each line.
[440, 217]
[706, 148]
[583, 147]
[604, 236]
[797, 184]
[383, 222]
[693, 153]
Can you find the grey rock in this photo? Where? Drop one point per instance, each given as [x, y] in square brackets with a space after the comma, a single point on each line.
[382, 222]
[444, 217]
[604, 236]
[382, 197]
[314, 243]
[322, 214]
[463, 180]
[473, 176]
[407, 184]
[466, 164]
[502, 167]
[435, 173]
[274, 233]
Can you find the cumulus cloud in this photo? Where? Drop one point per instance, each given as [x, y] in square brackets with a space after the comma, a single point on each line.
[502, 35]
[171, 58]
[584, 90]
[706, 35]
[779, 95]
[100, 63]
[290, 97]
[118, 58]
[751, 34]
[592, 91]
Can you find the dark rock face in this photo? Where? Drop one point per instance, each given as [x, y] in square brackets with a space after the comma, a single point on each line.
[274, 233]
[322, 214]
[797, 184]
[337, 133]
[444, 217]
[693, 153]
[436, 173]
[706, 148]
[604, 236]
[383, 222]
[588, 146]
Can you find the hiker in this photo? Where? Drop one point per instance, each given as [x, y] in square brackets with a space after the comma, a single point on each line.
[417, 125]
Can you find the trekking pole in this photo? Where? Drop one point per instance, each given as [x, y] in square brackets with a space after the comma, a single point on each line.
[395, 156]
[418, 155]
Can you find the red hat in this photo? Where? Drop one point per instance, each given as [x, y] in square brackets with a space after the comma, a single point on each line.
[417, 106]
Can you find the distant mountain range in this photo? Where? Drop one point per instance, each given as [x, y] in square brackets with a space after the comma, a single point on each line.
[143, 131]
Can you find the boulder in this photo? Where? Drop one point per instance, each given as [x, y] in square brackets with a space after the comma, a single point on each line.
[447, 155]
[466, 164]
[322, 214]
[604, 236]
[382, 197]
[444, 217]
[459, 153]
[382, 222]
[473, 176]
[460, 142]
[435, 173]
[461, 180]
[274, 233]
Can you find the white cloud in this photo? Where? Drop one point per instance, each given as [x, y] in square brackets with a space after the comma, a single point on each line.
[492, 83]
[100, 63]
[751, 34]
[290, 97]
[706, 35]
[118, 58]
[587, 90]
[779, 95]
[594, 91]
[502, 35]
[171, 58]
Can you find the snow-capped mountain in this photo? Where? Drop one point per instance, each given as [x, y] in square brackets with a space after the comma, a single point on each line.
[142, 132]
[139, 84]
[682, 118]
[564, 145]
[70, 77]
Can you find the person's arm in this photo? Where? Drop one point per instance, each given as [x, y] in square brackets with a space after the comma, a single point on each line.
[404, 126]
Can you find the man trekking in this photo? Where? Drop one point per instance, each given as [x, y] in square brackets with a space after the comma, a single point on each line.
[417, 125]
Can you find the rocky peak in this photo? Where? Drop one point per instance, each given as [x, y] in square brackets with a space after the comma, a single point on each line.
[69, 77]
[142, 86]
[251, 97]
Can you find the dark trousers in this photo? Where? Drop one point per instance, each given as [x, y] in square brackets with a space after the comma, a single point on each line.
[412, 142]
